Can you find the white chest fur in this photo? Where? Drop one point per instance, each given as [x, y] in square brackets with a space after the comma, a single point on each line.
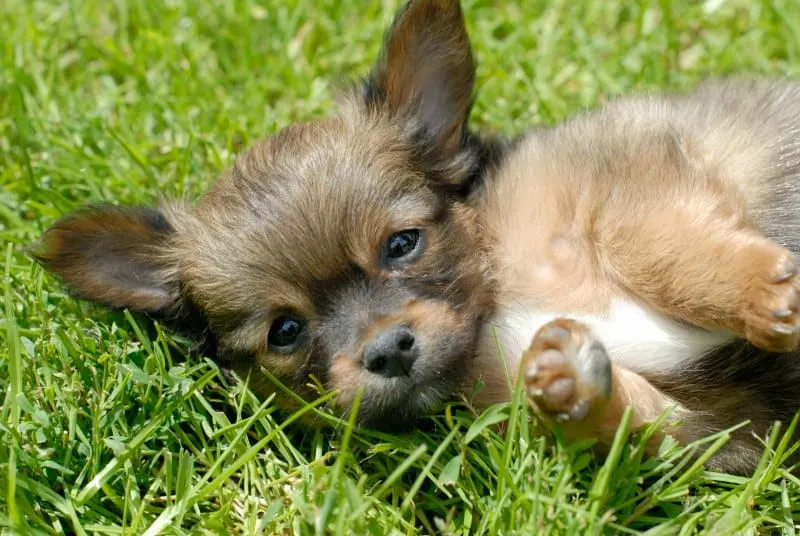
[636, 338]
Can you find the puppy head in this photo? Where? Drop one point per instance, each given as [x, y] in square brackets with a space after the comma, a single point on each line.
[341, 252]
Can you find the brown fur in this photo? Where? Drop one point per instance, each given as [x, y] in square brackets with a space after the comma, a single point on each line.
[671, 203]
[299, 224]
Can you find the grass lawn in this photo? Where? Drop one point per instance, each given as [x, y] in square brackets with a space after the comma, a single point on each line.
[108, 428]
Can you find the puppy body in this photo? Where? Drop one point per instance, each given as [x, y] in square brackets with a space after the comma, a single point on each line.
[571, 204]
[660, 224]
[620, 259]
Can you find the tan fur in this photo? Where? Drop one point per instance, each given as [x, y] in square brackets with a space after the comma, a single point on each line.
[619, 204]
[645, 200]
[648, 405]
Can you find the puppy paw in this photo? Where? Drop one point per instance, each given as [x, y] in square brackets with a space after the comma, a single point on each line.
[566, 371]
[771, 318]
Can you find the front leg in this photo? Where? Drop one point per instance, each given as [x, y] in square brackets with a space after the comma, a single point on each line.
[712, 274]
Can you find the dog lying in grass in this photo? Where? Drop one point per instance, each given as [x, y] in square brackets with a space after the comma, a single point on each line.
[637, 255]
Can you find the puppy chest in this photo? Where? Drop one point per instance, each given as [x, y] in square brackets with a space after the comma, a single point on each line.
[635, 337]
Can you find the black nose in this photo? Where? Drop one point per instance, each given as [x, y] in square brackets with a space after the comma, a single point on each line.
[392, 352]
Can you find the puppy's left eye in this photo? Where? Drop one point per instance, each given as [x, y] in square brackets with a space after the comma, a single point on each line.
[402, 244]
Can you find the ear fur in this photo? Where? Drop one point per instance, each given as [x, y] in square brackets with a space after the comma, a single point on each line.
[426, 73]
[116, 256]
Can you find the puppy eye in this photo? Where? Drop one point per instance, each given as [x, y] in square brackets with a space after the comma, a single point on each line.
[285, 334]
[402, 244]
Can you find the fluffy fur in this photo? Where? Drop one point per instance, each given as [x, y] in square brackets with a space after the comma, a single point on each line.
[635, 255]
[662, 223]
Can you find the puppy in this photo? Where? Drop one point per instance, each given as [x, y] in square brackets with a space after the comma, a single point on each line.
[638, 255]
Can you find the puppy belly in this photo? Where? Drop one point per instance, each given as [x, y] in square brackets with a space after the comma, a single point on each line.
[636, 338]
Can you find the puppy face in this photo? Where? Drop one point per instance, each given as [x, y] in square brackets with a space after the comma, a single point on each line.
[341, 252]
[328, 251]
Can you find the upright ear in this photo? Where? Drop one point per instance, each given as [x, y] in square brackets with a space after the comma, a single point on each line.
[426, 72]
[116, 256]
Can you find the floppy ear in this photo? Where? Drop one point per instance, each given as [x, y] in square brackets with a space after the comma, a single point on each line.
[116, 256]
[426, 72]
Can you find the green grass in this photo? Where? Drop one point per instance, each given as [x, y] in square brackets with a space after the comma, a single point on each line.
[107, 427]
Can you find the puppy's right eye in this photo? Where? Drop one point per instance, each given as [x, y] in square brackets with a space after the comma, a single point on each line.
[403, 244]
[286, 334]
